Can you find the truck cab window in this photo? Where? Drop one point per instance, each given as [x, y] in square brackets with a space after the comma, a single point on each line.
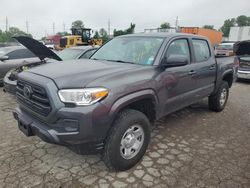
[201, 50]
[87, 54]
[179, 47]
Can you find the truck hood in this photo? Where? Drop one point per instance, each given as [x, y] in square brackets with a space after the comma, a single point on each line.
[78, 73]
[242, 48]
[37, 48]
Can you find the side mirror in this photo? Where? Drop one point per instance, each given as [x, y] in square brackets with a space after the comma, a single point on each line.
[175, 61]
[3, 58]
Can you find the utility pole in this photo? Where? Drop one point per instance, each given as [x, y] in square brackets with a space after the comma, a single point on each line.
[177, 22]
[27, 26]
[6, 24]
[109, 28]
[64, 27]
[53, 28]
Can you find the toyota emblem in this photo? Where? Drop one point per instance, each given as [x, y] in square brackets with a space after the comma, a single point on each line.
[27, 91]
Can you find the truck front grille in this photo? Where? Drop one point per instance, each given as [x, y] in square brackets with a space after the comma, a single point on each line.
[34, 97]
[244, 65]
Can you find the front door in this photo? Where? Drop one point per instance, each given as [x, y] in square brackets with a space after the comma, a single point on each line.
[177, 81]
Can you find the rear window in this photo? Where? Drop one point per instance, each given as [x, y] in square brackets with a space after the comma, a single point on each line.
[201, 50]
[20, 54]
[225, 47]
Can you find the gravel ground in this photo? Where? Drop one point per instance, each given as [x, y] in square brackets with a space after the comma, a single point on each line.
[191, 148]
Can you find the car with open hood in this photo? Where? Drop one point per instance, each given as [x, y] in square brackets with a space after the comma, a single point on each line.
[14, 56]
[43, 55]
[242, 51]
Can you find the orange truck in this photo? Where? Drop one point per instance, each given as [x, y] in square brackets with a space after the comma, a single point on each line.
[214, 36]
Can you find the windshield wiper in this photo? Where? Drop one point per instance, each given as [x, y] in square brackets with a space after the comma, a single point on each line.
[121, 61]
[118, 61]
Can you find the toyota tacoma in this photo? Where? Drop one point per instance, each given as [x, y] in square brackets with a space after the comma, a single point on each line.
[108, 103]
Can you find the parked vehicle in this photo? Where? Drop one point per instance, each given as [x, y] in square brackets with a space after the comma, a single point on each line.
[14, 56]
[108, 103]
[242, 51]
[43, 52]
[224, 50]
[214, 36]
[80, 36]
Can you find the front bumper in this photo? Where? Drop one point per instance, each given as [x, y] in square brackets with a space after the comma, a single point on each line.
[243, 74]
[73, 129]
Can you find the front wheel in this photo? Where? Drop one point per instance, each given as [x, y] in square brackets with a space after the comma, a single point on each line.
[218, 101]
[127, 141]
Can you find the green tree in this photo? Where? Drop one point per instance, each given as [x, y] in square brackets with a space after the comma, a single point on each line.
[130, 30]
[77, 24]
[96, 35]
[208, 26]
[243, 20]
[227, 25]
[165, 25]
[103, 35]
[13, 31]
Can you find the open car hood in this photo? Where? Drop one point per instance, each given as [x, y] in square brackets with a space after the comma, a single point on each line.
[37, 48]
[242, 47]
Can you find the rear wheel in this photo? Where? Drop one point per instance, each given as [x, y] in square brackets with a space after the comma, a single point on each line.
[127, 141]
[218, 101]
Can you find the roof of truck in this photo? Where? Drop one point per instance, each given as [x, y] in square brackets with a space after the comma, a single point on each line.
[162, 34]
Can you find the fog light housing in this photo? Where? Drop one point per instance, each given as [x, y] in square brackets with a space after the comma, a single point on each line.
[70, 125]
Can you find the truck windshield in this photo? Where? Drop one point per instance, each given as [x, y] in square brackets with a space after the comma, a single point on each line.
[136, 50]
[68, 54]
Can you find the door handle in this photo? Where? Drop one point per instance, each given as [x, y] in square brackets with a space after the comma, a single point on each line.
[192, 72]
[212, 67]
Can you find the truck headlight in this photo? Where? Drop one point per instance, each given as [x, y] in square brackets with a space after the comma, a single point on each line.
[85, 96]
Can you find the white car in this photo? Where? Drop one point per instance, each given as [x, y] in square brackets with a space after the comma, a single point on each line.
[224, 50]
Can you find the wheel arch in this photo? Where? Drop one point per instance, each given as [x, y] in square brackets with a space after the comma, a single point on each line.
[144, 101]
[228, 76]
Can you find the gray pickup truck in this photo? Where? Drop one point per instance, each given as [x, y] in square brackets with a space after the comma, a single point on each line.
[108, 103]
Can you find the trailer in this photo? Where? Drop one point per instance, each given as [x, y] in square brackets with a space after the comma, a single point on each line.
[214, 36]
[239, 33]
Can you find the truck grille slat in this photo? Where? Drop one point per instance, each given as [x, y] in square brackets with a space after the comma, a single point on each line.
[37, 100]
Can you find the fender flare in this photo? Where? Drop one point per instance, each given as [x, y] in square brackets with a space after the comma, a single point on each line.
[133, 97]
[227, 72]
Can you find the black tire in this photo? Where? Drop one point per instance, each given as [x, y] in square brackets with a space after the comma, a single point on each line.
[214, 100]
[112, 155]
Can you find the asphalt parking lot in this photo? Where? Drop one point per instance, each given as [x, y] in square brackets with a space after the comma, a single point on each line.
[191, 148]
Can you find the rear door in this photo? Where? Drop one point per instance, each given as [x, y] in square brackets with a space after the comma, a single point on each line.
[204, 68]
